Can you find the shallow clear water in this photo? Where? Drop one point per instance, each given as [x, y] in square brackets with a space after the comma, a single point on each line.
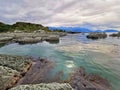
[100, 63]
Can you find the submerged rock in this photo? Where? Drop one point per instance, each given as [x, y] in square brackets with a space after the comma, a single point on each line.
[97, 36]
[38, 72]
[42, 86]
[115, 34]
[79, 80]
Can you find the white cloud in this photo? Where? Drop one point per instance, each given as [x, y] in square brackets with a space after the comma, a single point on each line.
[100, 13]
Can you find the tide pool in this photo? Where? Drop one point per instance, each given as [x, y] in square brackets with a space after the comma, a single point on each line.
[95, 56]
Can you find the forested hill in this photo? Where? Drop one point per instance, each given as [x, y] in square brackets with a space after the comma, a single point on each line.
[21, 26]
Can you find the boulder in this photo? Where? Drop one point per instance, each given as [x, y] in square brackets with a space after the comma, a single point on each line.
[115, 34]
[97, 36]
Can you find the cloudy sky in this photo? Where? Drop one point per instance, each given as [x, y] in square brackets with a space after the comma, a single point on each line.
[96, 14]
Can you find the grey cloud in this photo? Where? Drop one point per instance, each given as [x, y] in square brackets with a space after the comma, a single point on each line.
[99, 13]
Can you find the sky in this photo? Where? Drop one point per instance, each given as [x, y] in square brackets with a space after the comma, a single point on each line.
[95, 14]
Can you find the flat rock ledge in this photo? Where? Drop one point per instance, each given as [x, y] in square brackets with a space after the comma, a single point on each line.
[30, 38]
[42, 86]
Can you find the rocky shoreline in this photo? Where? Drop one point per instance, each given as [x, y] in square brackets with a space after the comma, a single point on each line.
[29, 38]
[24, 72]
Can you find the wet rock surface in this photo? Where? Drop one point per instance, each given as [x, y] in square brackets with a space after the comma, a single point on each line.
[97, 36]
[79, 80]
[38, 72]
[115, 35]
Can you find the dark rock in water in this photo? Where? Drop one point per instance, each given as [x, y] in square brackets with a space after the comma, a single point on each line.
[53, 42]
[115, 34]
[37, 72]
[52, 38]
[97, 36]
[79, 80]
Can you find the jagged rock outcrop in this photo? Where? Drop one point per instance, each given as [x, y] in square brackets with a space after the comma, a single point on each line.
[42, 86]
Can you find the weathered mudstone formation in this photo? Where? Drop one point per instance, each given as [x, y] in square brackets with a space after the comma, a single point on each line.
[11, 70]
[97, 36]
[79, 80]
[115, 34]
[42, 86]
